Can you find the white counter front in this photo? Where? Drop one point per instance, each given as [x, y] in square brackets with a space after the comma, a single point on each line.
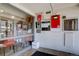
[56, 40]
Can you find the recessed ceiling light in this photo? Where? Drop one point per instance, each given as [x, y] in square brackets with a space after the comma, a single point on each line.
[12, 17]
[1, 10]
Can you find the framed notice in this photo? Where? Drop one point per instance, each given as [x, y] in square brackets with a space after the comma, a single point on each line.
[45, 26]
[55, 21]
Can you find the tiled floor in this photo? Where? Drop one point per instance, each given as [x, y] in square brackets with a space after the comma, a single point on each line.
[10, 52]
[50, 51]
[29, 51]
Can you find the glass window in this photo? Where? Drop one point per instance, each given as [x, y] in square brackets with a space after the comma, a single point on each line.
[71, 24]
[6, 28]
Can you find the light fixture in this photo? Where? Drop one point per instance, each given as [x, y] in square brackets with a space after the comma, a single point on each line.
[1, 11]
[12, 17]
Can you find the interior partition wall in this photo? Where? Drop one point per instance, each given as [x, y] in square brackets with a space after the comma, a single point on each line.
[21, 31]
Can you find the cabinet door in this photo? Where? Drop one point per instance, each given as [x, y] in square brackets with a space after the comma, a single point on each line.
[68, 41]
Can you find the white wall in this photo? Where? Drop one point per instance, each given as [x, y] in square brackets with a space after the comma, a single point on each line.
[50, 40]
[55, 39]
[76, 43]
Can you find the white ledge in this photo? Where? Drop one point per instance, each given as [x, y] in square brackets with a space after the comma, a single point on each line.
[16, 37]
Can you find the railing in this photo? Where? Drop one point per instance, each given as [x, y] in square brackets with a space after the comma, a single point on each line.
[21, 42]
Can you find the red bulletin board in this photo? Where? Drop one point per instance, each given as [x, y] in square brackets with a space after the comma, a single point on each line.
[55, 21]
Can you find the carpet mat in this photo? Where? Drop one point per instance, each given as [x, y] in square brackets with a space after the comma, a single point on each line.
[38, 53]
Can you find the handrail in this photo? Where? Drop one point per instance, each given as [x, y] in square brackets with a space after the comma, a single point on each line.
[16, 37]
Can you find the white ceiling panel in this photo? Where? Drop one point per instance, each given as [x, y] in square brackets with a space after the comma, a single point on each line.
[43, 7]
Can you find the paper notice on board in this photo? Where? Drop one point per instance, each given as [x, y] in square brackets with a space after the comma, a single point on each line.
[45, 25]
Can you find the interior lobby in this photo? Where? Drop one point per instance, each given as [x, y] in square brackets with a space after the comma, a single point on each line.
[39, 29]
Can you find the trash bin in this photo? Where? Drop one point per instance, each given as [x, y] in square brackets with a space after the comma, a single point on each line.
[35, 45]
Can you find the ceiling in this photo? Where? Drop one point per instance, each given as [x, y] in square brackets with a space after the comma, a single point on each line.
[43, 7]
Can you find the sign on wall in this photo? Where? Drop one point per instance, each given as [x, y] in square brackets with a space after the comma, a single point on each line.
[39, 18]
[38, 23]
[45, 25]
